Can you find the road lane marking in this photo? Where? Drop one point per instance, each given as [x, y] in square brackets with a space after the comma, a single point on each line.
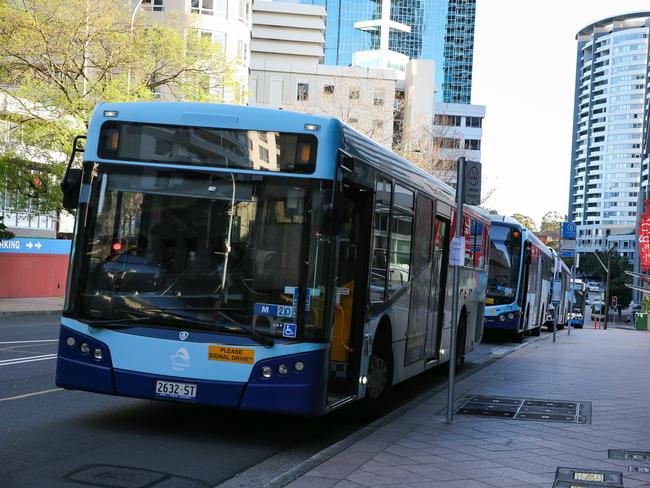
[26, 357]
[28, 342]
[29, 359]
[26, 395]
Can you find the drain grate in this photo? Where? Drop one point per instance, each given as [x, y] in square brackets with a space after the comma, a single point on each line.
[526, 409]
[587, 478]
[126, 477]
[628, 455]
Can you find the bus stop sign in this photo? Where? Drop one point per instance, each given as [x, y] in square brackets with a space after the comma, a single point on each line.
[472, 183]
[569, 231]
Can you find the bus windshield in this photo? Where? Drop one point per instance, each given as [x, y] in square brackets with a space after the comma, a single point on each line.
[505, 257]
[182, 247]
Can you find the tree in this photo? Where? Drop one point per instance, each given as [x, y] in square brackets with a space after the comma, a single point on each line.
[4, 233]
[59, 58]
[526, 221]
[591, 268]
[551, 222]
[435, 148]
[366, 105]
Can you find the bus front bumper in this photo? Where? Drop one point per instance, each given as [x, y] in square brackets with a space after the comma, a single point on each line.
[494, 323]
[296, 392]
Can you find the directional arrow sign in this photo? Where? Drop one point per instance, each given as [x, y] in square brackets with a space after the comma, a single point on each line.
[38, 245]
[29, 245]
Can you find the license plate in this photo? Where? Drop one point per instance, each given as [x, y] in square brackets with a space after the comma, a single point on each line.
[171, 389]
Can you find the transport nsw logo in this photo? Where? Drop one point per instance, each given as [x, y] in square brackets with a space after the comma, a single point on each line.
[231, 354]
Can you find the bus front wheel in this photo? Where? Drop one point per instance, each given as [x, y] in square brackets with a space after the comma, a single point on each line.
[379, 367]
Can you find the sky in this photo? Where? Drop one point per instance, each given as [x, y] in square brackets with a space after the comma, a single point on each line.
[524, 72]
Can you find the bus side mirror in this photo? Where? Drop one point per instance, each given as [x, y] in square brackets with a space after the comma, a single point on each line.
[331, 213]
[71, 186]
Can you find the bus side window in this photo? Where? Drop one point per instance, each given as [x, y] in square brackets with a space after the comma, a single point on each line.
[383, 190]
[401, 232]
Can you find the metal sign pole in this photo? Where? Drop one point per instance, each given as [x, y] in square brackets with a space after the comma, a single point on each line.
[572, 294]
[460, 177]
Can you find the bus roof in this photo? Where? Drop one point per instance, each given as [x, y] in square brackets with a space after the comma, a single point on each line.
[504, 220]
[330, 130]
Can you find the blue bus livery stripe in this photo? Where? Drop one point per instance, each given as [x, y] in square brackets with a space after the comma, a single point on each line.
[23, 245]
[180, 359]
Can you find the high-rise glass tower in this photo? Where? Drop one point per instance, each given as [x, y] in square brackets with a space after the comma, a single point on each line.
[610, 115]
[438, 30]
[459, 51]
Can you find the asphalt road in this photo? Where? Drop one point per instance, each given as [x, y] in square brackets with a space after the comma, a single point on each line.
[52, 437]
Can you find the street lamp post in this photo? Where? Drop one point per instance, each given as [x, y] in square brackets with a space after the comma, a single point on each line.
[128, 74]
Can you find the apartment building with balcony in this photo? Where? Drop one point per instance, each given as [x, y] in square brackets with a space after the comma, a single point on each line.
[610, 110]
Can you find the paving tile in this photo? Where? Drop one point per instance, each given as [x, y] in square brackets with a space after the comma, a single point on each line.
[420, 449]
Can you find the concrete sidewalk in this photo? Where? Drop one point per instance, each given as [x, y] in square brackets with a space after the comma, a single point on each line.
[23, 306]
[609, 368]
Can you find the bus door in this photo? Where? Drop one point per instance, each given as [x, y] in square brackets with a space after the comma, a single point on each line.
[351, 289]
[438, 288]
[523, 286]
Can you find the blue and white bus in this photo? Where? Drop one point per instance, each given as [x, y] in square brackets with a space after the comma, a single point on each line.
[577, 314]
[257, 259]
[520, 279]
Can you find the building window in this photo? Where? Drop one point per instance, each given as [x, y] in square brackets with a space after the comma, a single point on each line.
[328, 89]
[473, 144]
[153, 5]
[378, 98]
[209, 7]
[353, 121]
[302, 94]
[354, 93]
[378, 124]
[203, 7]
[195, 37]
[242, 50]
[473, 122]
[264, 154]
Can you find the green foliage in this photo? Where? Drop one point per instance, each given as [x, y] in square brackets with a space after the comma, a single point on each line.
[551, 222]
[591, 268]
[645, 305]
[4, 233]
[60, 58]
[526, 221]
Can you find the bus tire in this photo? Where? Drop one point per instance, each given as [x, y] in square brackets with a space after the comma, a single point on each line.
[380, 365]
[536, 331]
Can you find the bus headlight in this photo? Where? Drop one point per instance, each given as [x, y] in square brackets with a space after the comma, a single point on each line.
[267, 371]
[283, 368]
[511, 315]
[84, 348]
[299, 365]
[502, 318]
[98, 354]
[70, 341]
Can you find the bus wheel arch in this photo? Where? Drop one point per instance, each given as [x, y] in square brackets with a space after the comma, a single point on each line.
[380, 365]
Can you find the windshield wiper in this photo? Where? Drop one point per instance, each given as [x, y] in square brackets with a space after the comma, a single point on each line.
[101, 323]
[262, 339]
